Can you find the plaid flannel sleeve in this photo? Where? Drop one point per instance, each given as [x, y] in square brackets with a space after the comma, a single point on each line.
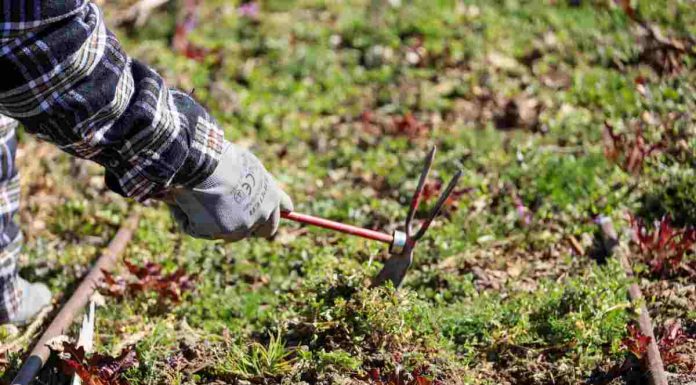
[65, 77]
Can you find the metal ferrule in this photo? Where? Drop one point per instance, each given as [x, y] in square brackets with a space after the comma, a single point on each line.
[399, 242]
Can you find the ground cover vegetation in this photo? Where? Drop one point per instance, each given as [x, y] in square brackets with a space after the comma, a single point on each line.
[557, 111]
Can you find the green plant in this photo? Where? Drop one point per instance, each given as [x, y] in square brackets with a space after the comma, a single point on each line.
[256, 359]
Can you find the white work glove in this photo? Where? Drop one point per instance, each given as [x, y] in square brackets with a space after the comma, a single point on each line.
[240, 199]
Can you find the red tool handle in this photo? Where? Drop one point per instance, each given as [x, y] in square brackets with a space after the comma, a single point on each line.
[338, 226]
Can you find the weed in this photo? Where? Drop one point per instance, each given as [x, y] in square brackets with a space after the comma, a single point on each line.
[433, 189]
[636, 342]
[664, 247]
[673, 196]
[628, 153]
[258, 360]
[97, 369]
[148, 278]
[338, 359]
[181, 42]
[400, 377]
[673, 336]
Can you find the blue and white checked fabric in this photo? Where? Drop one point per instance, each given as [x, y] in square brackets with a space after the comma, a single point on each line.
[65, 77]
[10, 236]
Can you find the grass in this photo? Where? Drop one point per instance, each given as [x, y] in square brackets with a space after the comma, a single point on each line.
[257, 360]
[514, 93]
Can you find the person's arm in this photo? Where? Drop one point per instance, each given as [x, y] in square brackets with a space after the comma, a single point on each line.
[65, 77]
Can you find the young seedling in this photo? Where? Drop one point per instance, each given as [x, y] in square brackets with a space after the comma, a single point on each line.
[401, 243]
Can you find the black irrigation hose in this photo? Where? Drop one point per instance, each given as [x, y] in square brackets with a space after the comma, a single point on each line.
[655, 365]
[80, 298]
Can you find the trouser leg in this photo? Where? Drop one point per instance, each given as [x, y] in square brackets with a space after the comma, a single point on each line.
[10, 235]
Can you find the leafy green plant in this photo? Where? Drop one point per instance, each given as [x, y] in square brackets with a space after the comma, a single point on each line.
[673, 195]
[338, 359]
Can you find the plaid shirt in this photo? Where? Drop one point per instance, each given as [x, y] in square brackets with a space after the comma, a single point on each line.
[65, 77]
[10, 236]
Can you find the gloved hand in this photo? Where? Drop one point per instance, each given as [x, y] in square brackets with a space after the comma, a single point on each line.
[240, 199]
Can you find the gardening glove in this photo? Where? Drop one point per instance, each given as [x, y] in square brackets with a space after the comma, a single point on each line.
[240, 199]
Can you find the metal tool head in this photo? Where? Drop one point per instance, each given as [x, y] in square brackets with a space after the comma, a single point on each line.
[397, 265]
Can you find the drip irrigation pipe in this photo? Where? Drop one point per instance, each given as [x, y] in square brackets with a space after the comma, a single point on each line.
[60, 324]
[655, 369]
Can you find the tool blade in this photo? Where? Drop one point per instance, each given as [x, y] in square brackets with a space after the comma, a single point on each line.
[395, 268]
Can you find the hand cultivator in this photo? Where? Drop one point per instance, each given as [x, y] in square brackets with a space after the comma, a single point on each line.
[401, 243]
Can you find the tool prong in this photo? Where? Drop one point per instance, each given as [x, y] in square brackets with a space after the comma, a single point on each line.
[438, 206]
[417, 195]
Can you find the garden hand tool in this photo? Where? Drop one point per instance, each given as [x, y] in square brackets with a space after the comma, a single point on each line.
[401, 243]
